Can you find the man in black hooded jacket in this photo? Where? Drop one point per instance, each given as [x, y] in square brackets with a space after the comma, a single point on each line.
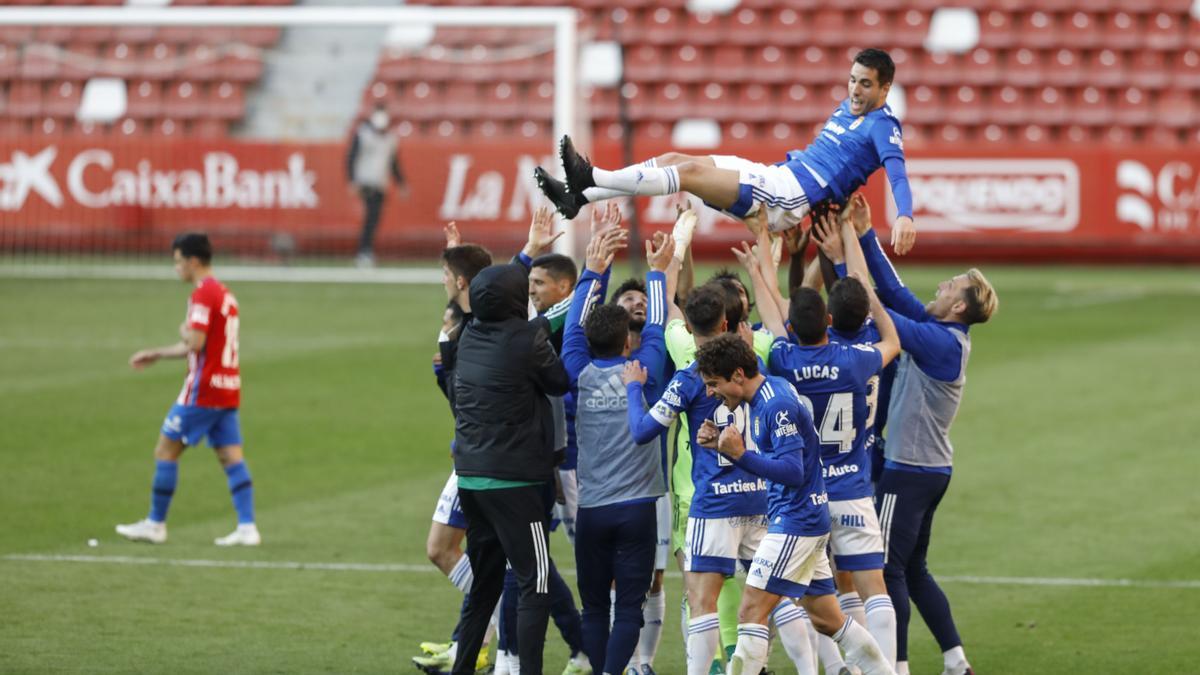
[504, 454]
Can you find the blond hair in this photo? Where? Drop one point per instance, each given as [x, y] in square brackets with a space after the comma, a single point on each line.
[980, 298]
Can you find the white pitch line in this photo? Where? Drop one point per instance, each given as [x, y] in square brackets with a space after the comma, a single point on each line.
[424, 569]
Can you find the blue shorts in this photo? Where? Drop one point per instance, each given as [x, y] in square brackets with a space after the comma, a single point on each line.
[191, 423]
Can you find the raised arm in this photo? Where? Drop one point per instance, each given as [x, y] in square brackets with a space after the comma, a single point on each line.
[892, 291]
[767, 265]
[889, 338]
[889, 146]
[589, 291]
[680, 273]
[653, 350]
[768, 310]
[541, 237]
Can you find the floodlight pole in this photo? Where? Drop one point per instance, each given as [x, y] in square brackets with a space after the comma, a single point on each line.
[561, 19]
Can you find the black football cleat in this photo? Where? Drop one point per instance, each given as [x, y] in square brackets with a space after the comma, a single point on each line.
[566, 202]
[576, 167]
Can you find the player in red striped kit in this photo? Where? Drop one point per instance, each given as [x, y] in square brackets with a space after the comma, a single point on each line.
[208, 402]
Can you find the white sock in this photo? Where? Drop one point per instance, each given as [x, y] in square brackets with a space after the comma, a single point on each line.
[703, 641]
[861, 650]
[683, 621]
[639, 180]
[793, 633]
[652, 623]
[902, 668]
[813, 637]
[852, 606]
[461, 575]
[599, 194]
[751, 648]
[501, 663]
[955, 660]
[831, 656]
[514, 663]
[881, 624]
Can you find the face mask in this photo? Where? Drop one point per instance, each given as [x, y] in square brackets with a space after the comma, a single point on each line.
[379, 120]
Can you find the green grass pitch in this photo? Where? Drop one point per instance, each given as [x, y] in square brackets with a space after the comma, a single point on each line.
[1076, 459]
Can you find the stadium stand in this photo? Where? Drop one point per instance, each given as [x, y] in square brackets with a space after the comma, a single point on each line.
[764, 69]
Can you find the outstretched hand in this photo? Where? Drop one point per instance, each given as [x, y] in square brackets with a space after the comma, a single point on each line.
[541, 233]
[605, 218]
[659, 251]
[603, 248]
[756, 222]
[904, 235]
[747, 258]
[453, 238]
[829, 236]
[858, 213]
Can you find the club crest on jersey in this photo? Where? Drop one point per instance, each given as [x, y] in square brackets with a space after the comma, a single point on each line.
[784, 425]
[856, 123]
[895, 138]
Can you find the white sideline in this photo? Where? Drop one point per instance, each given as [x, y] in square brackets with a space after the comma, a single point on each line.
[335, 275]
[421, 569]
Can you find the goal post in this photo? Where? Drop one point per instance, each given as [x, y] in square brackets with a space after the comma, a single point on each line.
[562, 21]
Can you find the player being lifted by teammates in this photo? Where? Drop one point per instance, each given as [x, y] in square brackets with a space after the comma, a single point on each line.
[861, 136]
[208, 403]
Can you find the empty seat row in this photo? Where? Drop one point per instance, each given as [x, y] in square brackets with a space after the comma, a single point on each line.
[144, 100]
[158, 61]
[126, 128]
[257, 36]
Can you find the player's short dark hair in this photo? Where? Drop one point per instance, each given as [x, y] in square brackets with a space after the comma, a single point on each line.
[808, 315]
[849, 305]
[466, 260]
[880, 61]
[728, 276]
[456, 312]
[558, 266]
[606, 329]
[734, 311]
[724, 354]
[193, 245]
[630, 284]
[704, 309]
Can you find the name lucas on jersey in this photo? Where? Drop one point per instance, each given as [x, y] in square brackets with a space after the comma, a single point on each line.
[816, 373]
[738, 486]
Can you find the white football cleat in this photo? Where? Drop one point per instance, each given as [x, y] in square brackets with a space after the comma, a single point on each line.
[144, 530]
[244, 535]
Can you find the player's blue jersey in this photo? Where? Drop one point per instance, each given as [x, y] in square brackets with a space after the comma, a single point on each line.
[833, 381]
[780, 424]
[846, 152]
[880, 393]
[722, 488]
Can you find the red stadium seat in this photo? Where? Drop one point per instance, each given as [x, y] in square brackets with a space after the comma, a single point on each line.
[644, 63]
[603, 104]
[1064, 67]
[240, 65]
[701, 28]
[1008, 106]
[659, 26]
[996, 30]
[182, 100]
[1038, 30]
[159, 61]
[143, 99]
[1035, 134]
[715, 101]
[816, 65]
[62, 99]
[800, 104]
[1187, 69]
[166, 128]
[1164, 31]
[1133, 108]
[746, 27]
[667, 102]
[1023, 68]
[753, 103]
[868, 27]
[1122, 31]
[770, 64]
[948, 133]
[226, 101]
[208, 128]
[93, 34]
[39, 64]
[1177, 108]
[53, 35]
[965, 106]
[1106, 68]
[461, 100]
[829, 27]
[925, 106]
[1092, 106]
[397, 67]
[940, 69]
[910, 28]
[729, 63]
[982, 66]
[135, 35]
[994, 134]
[15, 35]
[418, 101]
[1149, 69]
[686, 64]
[1048, 106]
[79, 62]
[10, 61]
[120, 60]
[199, 62]
[786, 27]
[24, 99]
[1080, 30]
[51, 128]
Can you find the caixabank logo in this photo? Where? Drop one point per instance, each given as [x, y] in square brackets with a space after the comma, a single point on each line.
[1159, 198]
[982, 195]
[95, 178]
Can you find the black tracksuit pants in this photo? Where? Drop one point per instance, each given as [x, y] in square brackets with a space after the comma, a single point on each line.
[506, 525]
